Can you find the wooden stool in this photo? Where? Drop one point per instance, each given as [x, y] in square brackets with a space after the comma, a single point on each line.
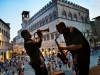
[95, 70]
[60, 72]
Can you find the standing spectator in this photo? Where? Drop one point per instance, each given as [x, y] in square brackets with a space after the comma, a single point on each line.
[22, 72]
[92, 50]
[5, 72]
[22, 66]
[19, 70]
[72, 69]
[0, 67]
[49, 66]
[53, 66]
[9, 72]
[13, 73]
[69, 57]
[60, 63]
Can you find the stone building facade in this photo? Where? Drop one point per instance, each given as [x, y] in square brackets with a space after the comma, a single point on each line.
[4, 40]
[95, 24]
[56, 10]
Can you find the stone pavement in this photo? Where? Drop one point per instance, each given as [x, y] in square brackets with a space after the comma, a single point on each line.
[28, 69]
[93, 58]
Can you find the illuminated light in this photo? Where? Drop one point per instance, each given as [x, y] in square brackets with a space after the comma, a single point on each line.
[50, 52]
[1, 57]
[7, 54]
[43, 53]
[54, 51]
[0, 34]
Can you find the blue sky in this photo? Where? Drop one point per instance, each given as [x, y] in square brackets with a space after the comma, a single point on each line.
[10, 10]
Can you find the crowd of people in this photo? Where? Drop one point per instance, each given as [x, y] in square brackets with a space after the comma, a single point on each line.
[13, 66]
[54, 63]
[93, 49]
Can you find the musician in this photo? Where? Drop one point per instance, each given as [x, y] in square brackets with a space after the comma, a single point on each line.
[32, 49]
[77, 45]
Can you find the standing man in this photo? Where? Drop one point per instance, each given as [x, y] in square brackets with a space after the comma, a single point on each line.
[77, 45]
[32, 49]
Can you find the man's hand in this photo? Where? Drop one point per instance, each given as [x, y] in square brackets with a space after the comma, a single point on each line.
[61, 47]
[39, 33]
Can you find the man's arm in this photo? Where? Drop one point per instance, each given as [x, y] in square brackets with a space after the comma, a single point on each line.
[39, 41]
[71, 47]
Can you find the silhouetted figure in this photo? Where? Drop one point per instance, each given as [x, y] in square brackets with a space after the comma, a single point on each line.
[32, 49]
[79, 47]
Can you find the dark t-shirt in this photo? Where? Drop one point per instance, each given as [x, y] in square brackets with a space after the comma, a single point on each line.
[74, 36]
[32, 49]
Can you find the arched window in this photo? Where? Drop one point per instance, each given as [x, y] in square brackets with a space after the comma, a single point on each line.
[6, 33]
[2, 31]
[75, 17]
[86, 20]
[46, 19]
[43, 22]
[82, 18]
[37, 24]
[54, 15]
[50, 17]
[63, 14]
[69, 16]
[40, 23]
[2, 43]
[44, 38]
[31, 28]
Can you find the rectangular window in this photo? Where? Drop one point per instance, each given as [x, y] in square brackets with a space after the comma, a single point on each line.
[44, 38]
[46, 20]
[52, 36]
[43, 22]
[48, 37]
[50, 18]
[55, 16]
[40, 24]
